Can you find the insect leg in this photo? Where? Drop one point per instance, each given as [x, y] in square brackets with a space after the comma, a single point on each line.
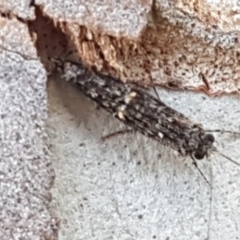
[228, 158]
[210, 207]
[116, 133]
[195, 163]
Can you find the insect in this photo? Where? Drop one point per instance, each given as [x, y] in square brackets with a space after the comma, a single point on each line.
[143, 112]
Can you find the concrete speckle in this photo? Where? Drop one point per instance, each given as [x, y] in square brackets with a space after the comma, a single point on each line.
[26, 173]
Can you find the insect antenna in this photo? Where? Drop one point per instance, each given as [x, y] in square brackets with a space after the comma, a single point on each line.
[211, 192]
[226, 157]
[222, 131]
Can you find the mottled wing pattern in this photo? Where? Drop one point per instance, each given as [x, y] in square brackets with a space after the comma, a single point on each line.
[139, 109]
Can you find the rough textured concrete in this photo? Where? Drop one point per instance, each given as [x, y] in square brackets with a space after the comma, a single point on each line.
[130, 187]
[26, 173]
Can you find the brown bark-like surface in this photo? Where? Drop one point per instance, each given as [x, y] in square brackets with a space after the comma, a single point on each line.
[192, 46]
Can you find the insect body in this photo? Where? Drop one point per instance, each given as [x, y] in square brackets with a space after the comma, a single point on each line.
[140, 110]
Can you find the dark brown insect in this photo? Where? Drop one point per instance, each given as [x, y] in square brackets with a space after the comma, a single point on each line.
[140, 110]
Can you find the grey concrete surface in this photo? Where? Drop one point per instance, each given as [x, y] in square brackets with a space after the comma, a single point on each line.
[131, 187]
[26, 173]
